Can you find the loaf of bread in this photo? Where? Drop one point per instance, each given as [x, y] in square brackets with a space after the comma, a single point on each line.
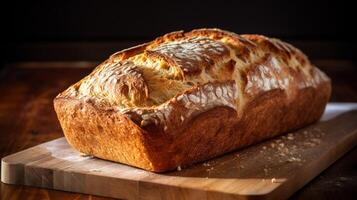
[186, 97]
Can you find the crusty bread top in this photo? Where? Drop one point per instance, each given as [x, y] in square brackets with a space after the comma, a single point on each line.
[192, 72]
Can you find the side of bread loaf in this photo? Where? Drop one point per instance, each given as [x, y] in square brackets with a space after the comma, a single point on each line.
[188, 97]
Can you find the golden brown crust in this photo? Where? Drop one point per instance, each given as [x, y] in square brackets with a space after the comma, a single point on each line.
[187, 97]
[192, 55]
[106, 133]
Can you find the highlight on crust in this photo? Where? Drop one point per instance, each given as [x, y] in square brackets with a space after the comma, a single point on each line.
[186, 97]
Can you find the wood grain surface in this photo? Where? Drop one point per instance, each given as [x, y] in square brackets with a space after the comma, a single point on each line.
[27, 119]
[274, 169]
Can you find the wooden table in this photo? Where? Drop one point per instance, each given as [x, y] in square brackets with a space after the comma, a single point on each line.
[27, 119]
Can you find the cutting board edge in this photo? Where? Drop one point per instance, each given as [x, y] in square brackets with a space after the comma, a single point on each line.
[10, 167]
[11, 173]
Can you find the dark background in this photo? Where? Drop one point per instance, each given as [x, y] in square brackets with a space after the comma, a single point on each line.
[48, 45]
[92, 30]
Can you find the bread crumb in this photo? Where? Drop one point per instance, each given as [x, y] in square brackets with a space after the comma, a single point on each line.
[210, 169]
[309, 144]
[206, 164]
[165, 128]
[179, 168]
[264, 147]
[83, 154]
[273, 180]
[182, 118]
[293, 159]
[86, 155]
[318, 141]
[241, 166]
[272, 145]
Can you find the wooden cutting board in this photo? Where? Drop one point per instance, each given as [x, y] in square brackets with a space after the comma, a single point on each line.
[274, 169]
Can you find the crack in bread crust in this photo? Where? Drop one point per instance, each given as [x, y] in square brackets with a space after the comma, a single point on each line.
[194, 58]
[192, 55]
[202, 79]
[154, 74]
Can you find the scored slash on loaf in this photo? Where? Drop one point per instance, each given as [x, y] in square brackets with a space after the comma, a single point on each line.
[186, 97]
